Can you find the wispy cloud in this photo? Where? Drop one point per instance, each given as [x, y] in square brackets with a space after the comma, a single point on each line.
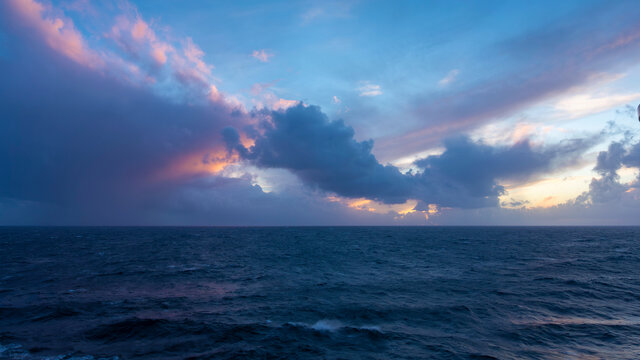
[262, 55]
[579, 105]
[368, 89]
[328, 10]
[552, 61]
[451, 77]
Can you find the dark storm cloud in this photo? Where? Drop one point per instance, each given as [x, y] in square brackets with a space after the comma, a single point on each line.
[74, 137]
[466, 174]
[607, 202]
[81, 147]
[324, 154]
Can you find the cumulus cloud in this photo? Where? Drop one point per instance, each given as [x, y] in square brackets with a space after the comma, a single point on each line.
[608, 201]
[83, 142]
[325, 155]
[467, 173]
[83, 146]
[607, 187]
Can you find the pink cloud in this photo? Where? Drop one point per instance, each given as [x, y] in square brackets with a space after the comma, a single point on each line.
[262, 55]
[140, 31]
[136, 37]
[184, 60]
[57, 31]
[194, 54]
[143, 56]
[268, 100]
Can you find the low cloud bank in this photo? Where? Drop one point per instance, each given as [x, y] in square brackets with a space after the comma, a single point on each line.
[324, 154]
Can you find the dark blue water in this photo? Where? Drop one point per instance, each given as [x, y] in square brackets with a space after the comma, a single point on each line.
[332, 293]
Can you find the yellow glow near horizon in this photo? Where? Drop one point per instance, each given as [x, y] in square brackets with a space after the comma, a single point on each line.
[363, 204]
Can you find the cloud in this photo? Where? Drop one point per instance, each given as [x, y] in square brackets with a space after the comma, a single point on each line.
[550, 61]
[139, 41]
[87, 138]
[580, 105]
[325, 155]
[57, 31]
[258, 88]
[468, 174]
[607, 201]
[608, 187]
[336, 100]
[368, 89]
[95, 151]
[132, 50]
[262, 55]
[451, 77]
[86, 142]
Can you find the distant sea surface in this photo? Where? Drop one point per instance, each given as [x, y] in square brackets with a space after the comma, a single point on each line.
[325, 293]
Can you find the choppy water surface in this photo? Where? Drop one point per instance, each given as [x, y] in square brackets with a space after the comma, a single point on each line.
[362, 292]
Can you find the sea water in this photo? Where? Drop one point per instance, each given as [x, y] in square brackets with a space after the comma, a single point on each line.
[320, 292]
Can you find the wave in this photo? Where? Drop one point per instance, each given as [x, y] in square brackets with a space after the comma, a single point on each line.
[17, 351]
[330, 325]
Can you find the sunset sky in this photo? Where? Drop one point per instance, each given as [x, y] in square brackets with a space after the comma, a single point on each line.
[319, 113]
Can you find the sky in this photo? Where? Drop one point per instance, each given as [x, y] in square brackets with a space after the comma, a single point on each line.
[140, 112]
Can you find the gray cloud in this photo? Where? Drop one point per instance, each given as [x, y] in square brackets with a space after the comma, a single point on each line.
[608, 188]
[74, 138]
[467, 173]
[325, 155]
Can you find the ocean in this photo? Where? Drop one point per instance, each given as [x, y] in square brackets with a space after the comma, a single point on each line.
[320, 293]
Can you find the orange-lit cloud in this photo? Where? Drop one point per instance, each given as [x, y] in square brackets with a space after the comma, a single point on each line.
[363, 204]
[283, 104]
[210, 162]
[202, 162]
[433, 210]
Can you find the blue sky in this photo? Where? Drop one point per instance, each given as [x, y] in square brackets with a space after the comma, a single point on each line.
[305, 113]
